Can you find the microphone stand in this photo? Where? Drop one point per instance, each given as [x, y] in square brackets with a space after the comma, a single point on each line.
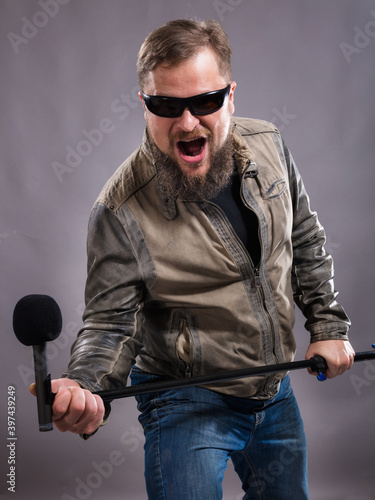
[316, 363]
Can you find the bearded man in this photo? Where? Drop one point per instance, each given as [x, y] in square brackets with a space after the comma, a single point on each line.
[198, 248]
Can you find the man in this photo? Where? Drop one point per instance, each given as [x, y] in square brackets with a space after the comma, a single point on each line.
[198, 246]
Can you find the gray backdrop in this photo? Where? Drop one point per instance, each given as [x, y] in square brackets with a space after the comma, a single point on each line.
[70, 115]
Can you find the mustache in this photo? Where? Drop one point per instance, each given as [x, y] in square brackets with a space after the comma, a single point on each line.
[190, 136]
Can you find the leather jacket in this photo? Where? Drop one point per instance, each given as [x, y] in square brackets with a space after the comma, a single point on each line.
[171, 287]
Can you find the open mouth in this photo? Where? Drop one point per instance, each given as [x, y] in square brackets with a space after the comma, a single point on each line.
[192, 148]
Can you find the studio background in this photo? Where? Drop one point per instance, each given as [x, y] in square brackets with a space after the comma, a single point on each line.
[67, 72]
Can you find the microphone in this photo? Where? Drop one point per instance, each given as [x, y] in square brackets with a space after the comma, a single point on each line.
[36, 320]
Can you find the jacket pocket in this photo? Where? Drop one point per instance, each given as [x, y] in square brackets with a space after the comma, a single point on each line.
[276, 189]
[268, 189]
[187, 345]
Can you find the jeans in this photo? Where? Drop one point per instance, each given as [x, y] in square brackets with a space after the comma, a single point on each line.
[192, 432]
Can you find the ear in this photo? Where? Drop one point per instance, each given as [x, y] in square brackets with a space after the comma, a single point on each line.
[143, 103]
[233, 85]
[141, 98]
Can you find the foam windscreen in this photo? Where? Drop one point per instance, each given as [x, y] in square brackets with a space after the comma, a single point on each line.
[37, 319]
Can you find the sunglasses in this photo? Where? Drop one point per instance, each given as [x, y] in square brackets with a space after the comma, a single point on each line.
[172, 107]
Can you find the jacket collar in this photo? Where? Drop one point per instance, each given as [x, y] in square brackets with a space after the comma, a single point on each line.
[244, 156]
[168, 203]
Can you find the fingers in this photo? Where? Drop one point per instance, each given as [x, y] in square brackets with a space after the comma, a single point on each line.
[335, 369]
[63, 382]
[74, 409]
[77, 410]
[55, 385]
[340, 361]
[338, 354]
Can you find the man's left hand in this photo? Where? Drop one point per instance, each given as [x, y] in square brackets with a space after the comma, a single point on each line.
[339, 355]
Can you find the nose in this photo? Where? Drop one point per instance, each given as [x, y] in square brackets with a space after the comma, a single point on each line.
[187, 121]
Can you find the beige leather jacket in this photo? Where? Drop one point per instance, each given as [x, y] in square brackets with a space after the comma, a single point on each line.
[171, 286]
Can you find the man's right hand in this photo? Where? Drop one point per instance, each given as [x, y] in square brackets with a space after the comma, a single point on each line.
[75, 409]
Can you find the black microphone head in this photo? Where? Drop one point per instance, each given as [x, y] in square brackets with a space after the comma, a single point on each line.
[37, 319]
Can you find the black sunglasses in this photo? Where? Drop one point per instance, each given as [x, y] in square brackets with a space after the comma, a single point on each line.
[172, 107]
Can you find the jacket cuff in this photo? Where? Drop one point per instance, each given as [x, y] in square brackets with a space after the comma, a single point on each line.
[331, 331]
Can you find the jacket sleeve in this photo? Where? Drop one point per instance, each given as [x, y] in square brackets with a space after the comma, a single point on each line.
[312, 272]
[108, 343]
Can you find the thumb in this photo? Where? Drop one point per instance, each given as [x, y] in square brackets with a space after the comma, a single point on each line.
[32, 389]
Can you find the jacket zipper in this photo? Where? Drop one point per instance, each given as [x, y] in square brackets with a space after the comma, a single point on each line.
[188, 370]
[255, 268]
[182, 329]
[258, 284]
[257, 279]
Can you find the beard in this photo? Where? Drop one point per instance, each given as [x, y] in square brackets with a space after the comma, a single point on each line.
[194, 187]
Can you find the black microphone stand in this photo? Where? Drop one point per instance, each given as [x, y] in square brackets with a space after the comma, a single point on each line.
[316, 363]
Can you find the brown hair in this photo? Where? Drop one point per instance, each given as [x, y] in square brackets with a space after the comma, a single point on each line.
[179, 40]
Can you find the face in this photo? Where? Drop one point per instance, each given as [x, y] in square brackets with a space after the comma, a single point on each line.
[190, 140]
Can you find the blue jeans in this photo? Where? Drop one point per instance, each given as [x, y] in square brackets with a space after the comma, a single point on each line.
[192, 432]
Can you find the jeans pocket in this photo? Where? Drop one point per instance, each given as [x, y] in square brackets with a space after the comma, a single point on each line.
[138, 377]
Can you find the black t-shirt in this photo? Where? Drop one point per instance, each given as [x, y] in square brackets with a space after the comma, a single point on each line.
[243, 220]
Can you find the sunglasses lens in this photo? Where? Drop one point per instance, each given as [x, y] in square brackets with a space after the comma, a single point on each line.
[164, 106]
[207, 104]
